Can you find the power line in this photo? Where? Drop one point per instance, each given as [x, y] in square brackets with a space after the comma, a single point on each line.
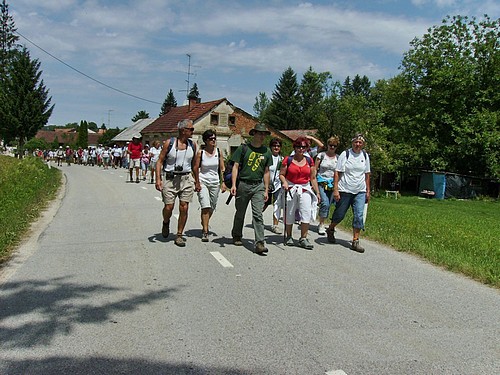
[86, 75]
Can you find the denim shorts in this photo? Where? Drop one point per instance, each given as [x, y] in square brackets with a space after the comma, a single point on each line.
[357, 201]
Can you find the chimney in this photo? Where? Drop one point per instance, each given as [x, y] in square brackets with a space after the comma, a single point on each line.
[192, 102]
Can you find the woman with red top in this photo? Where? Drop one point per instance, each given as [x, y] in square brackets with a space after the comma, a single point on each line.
[298, 179]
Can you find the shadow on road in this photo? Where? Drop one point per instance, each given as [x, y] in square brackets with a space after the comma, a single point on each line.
[56, 305]
[109, 366]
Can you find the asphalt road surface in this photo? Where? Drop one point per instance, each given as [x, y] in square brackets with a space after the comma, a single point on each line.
[99, 291]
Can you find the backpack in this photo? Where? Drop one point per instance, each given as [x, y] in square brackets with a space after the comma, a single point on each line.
[171, 144]
[290, 158]
[347, 153]
[228, 171]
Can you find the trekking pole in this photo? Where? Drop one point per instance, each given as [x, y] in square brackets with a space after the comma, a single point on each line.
[284, 217]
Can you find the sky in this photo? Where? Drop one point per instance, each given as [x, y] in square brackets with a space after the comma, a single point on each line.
[105, 60]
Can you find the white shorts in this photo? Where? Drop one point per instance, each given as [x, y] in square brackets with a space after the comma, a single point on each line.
[208, 195]
[301, 202]
[135, 163]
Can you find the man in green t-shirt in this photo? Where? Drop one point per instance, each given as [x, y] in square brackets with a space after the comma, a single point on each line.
[253, 186]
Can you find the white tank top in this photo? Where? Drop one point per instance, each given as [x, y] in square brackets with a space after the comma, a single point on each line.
[179, 158]
[209, 169]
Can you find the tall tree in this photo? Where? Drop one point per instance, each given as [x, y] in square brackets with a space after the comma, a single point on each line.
[8, 38]
[261, 105]
[284, 110]
[140, 115]
[169, 102]
[454, 74]
[83, 135]
[311, 92]
[25, 102]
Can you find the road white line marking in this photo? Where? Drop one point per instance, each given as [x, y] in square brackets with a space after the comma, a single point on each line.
[158, 198]
[335, 372]
[143, 187]
[220, 258]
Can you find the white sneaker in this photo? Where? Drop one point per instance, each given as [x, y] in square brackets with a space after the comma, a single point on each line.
[276, 229]
[321, 229]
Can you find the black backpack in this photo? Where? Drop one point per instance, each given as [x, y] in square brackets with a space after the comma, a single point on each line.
[170, 145]
[228, 171]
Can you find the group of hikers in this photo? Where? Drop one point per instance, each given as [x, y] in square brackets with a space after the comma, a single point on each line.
[294, 185]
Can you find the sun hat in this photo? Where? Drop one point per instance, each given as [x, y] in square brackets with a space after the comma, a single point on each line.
[260, 128]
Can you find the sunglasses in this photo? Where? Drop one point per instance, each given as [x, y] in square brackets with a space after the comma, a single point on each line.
[276, 145]
[302, 147]
[333, 145]
[190, 129]
[211, 139]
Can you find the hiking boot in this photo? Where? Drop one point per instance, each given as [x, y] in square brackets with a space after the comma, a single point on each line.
[357, 247]
[304, 243]
[330, 234]
[289, 241]
[204, 237]
[165, 229]
[179, 241]
[321, 230]
[260, 248]
[276, 229]
[237, 241]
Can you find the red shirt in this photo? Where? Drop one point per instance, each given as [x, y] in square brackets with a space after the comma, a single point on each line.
[296, 174]
[135, 150]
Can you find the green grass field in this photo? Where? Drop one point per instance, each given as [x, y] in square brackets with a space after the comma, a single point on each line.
[460, 235]
[26, 186]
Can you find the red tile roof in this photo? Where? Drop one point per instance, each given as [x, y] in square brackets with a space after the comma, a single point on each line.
[294, 134]
[168, 122]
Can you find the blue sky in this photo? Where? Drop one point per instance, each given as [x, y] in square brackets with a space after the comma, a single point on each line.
[238, 48]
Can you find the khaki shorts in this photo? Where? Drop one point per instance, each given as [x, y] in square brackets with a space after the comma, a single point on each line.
[178, 186]
[134, 163]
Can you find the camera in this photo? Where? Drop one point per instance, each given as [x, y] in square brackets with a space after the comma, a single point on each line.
[178, 168]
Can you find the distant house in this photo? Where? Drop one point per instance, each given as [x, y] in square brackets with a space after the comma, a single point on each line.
[292, 135]
[134, 129]
[231, 123]
[66, 136]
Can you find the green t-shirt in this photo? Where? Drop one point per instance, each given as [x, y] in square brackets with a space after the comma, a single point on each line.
[255, 162]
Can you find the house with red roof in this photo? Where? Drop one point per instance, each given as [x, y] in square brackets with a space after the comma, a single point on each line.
[231, 123]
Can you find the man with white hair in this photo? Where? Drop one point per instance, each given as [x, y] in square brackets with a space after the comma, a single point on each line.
[175, 164]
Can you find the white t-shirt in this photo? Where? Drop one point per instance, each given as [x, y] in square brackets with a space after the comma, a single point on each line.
[327, 165]
[155, 153]
[353, 170]
[274, 172]
[209, 170]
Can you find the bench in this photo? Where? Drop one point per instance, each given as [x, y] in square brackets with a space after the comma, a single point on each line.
[389, 193]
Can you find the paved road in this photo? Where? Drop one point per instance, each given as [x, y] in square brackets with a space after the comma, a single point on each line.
[101, 292]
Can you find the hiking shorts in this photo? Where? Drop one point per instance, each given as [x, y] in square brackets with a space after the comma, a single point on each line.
[178, 186]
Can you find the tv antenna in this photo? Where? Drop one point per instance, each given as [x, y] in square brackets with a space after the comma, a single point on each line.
[189, 74]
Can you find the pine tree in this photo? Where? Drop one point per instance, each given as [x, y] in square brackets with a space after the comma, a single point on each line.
[284, 110]
[169, 102]
[140, 115]
[8, 38]
[194, 93]
[25, 102]
[83, 135]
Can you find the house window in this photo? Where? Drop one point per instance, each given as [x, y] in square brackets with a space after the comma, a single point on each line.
[214, 119]
[232, 120]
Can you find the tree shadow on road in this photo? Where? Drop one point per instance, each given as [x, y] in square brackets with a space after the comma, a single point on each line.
[111, 366]
[56, 305]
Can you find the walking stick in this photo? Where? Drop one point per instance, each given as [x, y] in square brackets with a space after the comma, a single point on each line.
[284, 218]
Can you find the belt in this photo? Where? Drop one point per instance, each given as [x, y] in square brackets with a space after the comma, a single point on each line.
[172, 174]
[252, 182]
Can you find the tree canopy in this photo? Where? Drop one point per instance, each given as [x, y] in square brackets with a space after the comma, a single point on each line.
[140, 115]
[169, 102]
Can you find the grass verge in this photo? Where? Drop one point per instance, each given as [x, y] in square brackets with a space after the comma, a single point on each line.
[26, 187]
[462, 236]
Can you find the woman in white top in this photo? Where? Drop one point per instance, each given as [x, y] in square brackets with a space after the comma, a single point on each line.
[208, 168]
[155, 154]
[275, 183]
[326, 162]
